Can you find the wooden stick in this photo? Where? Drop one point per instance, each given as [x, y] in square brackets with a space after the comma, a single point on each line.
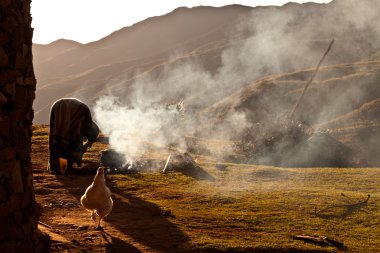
[167, 164]
[319, 239]
[348, 206]
[50, 227]
[310, 80]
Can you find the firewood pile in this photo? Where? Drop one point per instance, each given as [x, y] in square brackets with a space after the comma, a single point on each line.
[261, 139]
[293, 144]
[264, 137]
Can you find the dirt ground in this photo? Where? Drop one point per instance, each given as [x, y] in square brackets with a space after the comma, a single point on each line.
[134, 225]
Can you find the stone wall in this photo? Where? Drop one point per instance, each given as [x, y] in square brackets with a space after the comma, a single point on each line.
[18, 210]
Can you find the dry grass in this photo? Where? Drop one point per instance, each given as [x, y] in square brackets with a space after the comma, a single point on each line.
[251, 208]
[263, 207]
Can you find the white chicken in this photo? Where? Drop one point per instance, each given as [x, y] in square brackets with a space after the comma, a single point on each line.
[97, 198]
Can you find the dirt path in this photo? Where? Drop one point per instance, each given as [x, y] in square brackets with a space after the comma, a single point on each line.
[134, 225]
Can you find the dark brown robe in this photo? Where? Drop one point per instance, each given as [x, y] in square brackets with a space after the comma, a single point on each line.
[70, 124]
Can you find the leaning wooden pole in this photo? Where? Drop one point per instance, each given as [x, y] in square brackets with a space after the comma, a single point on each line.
[310, 81]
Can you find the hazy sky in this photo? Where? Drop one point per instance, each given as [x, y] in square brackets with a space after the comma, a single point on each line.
[89, 20]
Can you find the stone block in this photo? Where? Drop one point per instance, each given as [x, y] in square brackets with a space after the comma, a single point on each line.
[3, 194]
[9, 89]
[3, 58]
[5, 208]
[17, 182]
[14, 232]
[23, 154]
[36, 235]
[7, 76]
[15, 202]
[31, 81]
[6, 168]
[4, 38]
[10, 246]
[5, 126]
[3, 99]
[20, 80]
[2, 231]
[27, 227]
[7, 154]
[21, 61]
[24, 104]
[18, 217]
[28, 119]
[5, 3]
[25, 50]
[9, 24]
[25, 201]
[15, 116]
[22, 93]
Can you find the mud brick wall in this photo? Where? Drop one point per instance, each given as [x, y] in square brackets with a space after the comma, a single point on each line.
[18, 210]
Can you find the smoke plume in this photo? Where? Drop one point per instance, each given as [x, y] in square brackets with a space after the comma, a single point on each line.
[272, 40]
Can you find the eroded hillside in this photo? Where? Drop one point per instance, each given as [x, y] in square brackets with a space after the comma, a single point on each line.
[203, 54]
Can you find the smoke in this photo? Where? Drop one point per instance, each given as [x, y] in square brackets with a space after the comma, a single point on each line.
[272, 40]
[132, 130]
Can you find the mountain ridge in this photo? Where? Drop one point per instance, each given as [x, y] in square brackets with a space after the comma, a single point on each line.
[233, 67]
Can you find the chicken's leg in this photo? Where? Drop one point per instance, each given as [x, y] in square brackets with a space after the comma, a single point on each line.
[98, 227]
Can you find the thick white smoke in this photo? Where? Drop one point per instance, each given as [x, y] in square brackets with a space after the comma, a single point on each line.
[132, 129]
[278, 41]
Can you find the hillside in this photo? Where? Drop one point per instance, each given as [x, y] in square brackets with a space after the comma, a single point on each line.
[343, 101]
[143, 47]
[202, 54]
[44, 53]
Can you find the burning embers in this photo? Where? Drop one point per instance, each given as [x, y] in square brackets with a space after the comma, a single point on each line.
[176, 162]
[117, 163]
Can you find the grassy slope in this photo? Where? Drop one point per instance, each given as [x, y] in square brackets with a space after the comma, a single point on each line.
[262, 207]
[256, 207]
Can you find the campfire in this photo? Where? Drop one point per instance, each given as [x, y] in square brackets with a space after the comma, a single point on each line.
[116, 163]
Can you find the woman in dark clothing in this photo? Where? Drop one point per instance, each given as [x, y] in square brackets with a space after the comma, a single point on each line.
[70, 125]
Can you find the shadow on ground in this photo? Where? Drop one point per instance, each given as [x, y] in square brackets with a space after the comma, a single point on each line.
[134, 217]
[146, 223]
[116, 245]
